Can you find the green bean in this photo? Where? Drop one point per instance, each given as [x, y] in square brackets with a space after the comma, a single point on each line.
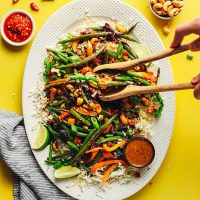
[129, 132]
[158, 112]
[83, 147]
[103, 112]
[52, 131]
[128, 37]
[68, 52]
[81, 77]
[120, 133]
[134, 74]
[74, 130]
[58, 103]
[47, 63]
[115, 83]
[85, 60]
[61, 155]
[95, 122]
[131, 54]
[109, 135]
[112, 54]
[82, 129]
[82, 134]
[73, 146]
[59, 164]
[120, 50]
[50, 151]
[61, 56]
[51, 108]
[83, 37]
[79, 117]
[96, 158]
[123, 78]
[103, 140]
[74, 59]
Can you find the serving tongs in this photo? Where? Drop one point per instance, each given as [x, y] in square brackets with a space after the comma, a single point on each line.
[124, 66]
[138, 90]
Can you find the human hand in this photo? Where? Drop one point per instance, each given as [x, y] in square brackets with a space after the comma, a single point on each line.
[196, 82]
[187, 29]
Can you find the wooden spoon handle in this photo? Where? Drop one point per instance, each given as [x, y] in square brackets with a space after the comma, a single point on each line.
[163, 54]
[129, 64]
[136, 90]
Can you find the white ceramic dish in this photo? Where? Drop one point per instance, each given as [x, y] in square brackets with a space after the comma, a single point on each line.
[69, 18]
[4, 35]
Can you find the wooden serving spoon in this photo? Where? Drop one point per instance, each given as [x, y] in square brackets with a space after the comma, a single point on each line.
[137, 90]
[129, 64]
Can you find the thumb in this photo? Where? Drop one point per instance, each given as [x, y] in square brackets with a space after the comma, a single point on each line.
[195, 45]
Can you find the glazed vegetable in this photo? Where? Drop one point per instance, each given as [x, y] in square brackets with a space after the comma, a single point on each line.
[84, 131]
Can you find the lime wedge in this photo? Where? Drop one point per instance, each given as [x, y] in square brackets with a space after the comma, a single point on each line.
[66, 172]
[42, 140]
[141, 50]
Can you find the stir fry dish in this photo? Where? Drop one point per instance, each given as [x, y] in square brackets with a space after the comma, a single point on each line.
[86, 136]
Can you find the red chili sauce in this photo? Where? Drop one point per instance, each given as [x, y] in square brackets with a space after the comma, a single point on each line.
[18, 27]
[139, 152]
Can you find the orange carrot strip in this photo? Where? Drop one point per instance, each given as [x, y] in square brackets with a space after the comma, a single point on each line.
[93, 155]
[107, 130]
[59, 80]
[101, 158]
[108, 173]
[107, 154]
[114, 147]
[52, 94]
[95, 149]
[105, 163]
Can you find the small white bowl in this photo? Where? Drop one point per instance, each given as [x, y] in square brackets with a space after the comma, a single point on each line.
[163, 17]
[4, 35]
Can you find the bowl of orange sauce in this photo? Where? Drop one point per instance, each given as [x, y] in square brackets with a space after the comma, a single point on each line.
[139, 152]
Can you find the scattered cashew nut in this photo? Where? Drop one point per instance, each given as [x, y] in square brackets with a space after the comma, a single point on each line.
[166, 29]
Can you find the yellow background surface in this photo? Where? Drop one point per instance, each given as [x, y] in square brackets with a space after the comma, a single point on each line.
[179, 175]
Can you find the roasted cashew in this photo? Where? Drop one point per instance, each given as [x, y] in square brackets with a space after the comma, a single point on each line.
[173, 11]
[161, 1]
[166, 5]
[169, 9]
[177, 4]
[157, 6]
[154, 1]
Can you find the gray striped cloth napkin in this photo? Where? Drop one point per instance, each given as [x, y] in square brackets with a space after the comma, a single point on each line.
[30, 183]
